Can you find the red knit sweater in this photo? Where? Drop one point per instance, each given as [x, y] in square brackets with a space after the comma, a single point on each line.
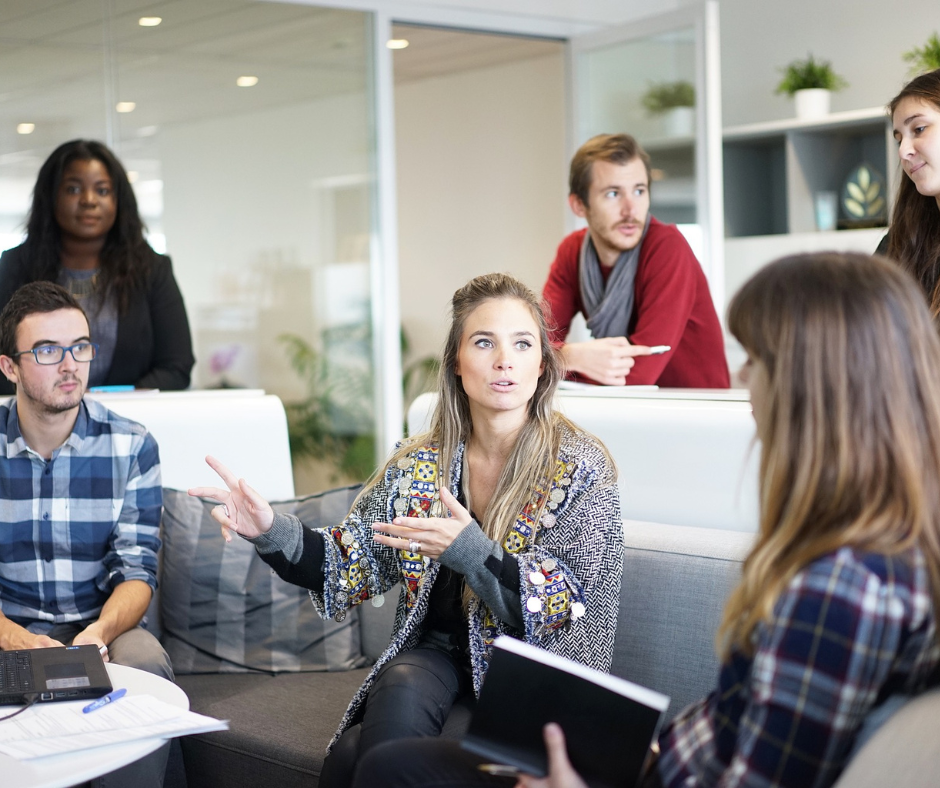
[672, 306]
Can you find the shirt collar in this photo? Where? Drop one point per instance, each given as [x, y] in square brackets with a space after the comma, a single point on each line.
[16, 443]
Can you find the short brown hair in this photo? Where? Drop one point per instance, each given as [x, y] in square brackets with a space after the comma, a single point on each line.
[615, 148]
[30, 299]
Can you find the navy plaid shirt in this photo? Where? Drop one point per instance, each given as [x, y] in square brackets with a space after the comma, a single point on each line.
[73, 528]
[850, 629]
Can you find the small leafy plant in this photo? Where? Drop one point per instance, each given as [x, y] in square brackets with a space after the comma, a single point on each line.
[925, 58]
[664, 96]
[809, 73]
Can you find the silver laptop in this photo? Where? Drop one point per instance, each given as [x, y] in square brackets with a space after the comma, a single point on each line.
[58, 673]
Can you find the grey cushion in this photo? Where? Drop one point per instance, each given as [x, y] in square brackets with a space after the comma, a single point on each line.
[279, 727]
[675, 582]
[223, 608]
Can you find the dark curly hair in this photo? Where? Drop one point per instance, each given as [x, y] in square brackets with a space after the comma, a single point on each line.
[125, 256]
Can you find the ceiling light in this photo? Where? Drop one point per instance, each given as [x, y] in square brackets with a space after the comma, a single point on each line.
[397, 43]
[125, 106]
[25, 128]
[246, 82]
[149, 21]
[132, 176]
[146, 131]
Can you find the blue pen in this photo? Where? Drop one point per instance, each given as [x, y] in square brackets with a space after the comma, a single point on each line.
[105, 700]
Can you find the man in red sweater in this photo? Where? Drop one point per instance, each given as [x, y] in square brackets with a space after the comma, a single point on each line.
[634, 279]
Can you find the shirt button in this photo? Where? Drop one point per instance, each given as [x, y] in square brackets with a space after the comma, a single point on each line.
[45, 516]
[48, 470]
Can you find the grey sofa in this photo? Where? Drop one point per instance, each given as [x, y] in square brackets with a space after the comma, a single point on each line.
[676, 579]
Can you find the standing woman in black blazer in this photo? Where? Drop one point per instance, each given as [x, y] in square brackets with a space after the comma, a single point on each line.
[84, 232]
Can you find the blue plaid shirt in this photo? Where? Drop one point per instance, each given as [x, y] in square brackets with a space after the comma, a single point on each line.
[850, 629]
[73, 528]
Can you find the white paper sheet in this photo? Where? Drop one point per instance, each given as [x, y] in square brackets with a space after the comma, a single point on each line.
[54, 728]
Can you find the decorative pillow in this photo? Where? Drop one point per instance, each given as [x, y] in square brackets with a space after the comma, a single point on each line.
[224, 609]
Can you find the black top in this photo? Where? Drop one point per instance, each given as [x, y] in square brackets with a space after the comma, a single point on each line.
[883, 246]
[154, 347]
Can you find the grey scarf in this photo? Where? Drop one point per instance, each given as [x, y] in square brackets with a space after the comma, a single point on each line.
[608, 308]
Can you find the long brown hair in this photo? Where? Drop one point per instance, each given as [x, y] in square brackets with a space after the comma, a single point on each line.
[850, 426]
[914, 240]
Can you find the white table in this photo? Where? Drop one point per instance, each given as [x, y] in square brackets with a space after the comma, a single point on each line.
[60, 771]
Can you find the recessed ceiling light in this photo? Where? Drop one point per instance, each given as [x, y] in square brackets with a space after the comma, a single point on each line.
[25, 128]
[246, 82]
[125, 106]
[397, 43]
[132, 176]
[149, 21]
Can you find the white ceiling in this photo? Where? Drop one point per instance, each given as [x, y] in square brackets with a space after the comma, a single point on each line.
[56, 72]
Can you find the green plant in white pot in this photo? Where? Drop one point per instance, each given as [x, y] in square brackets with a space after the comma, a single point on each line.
[675, 101]
[811, 83]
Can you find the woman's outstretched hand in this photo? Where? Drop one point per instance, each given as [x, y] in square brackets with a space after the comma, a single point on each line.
[241, 509]
[430, 535]
[561, 773]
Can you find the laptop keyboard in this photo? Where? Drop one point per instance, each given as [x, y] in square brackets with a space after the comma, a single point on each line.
[16, 673]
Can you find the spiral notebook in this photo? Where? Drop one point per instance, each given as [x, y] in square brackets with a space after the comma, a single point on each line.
[609, 723]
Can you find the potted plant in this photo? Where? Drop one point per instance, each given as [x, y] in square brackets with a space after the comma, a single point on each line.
[675, 101]
[811, 83]
[925, 58]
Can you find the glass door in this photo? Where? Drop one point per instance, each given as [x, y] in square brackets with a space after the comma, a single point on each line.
[658, 79]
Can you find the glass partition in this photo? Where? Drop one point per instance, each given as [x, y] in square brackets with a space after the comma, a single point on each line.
[246, 128]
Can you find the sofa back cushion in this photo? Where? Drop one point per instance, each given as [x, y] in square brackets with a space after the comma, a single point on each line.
[224, 609]
[676, 579]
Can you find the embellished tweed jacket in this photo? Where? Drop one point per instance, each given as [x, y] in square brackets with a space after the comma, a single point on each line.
[570, 563]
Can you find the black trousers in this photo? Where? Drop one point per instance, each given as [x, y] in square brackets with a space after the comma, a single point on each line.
[411, 697]
[424, 763]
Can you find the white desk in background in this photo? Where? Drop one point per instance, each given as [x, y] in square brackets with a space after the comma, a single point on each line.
[61, 771]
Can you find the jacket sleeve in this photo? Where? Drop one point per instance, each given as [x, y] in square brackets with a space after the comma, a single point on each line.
[12, 276]
[172, 360]
[665, 295]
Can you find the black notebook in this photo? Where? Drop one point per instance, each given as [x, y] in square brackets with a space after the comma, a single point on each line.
[609, 723]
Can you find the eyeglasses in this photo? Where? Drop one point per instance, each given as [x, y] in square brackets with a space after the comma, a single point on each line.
[46, 355]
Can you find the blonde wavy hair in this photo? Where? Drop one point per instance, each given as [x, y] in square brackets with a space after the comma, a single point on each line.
[850, 428]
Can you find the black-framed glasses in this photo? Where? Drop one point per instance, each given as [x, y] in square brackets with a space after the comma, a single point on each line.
[83, 352]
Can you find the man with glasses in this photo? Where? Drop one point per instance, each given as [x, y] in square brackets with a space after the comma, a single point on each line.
[80, 499]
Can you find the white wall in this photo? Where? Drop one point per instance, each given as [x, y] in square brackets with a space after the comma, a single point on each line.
[481, 184]
[863, 39]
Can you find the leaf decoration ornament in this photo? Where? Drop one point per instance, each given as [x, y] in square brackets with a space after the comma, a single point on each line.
[863, 195]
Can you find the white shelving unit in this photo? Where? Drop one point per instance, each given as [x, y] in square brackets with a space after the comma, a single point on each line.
[772, 170]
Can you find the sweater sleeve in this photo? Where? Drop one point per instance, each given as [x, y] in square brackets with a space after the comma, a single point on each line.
[562, 291]
[172, 359]
[491, 572]
[665, 295]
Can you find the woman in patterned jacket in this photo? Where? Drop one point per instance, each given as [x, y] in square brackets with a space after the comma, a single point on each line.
[503, 518]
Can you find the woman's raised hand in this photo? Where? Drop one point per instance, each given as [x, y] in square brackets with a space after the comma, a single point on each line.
[429, 536]
[241, 509]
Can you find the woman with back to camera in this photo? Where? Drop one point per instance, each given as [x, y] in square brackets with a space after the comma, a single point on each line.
[837, 606]
[84, 232]
[914, 235]
[502, 518]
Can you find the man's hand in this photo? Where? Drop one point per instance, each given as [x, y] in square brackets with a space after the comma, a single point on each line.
[13, 636]
[561, 773]
[608, 360]
[91, 637]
